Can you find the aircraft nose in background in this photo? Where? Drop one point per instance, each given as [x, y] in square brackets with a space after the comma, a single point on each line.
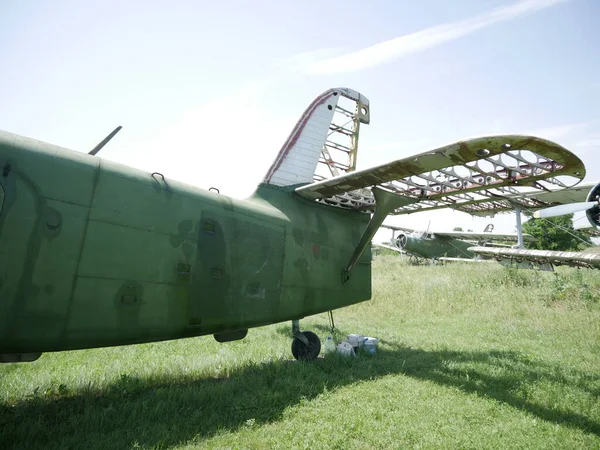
[401, 241]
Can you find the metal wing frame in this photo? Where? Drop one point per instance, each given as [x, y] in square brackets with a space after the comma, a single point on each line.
[476, 174]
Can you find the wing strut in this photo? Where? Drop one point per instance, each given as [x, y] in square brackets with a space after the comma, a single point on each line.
[385, 203]
[519, 227]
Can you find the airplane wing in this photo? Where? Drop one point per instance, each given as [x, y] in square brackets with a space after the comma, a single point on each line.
[461, 176]
[469, 260]
[538, 259]
[469, 235]
[396, 228]
[529, 201]
[389, 247]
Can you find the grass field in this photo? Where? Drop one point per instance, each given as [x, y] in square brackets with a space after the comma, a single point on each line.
[470, 356]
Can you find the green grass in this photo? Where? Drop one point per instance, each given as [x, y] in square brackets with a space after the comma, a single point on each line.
[470, 356]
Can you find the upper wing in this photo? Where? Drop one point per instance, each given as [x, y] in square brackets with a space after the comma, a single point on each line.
[540, 259]
[469, 260]
[469, 235]
[389, 247]
[397, 228]
[468, 172]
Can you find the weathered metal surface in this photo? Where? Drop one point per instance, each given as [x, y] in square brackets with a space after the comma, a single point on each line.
[94, 253]
[470, 172]
[577, 259]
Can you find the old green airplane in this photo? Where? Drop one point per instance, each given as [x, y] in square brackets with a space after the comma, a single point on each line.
[586, 198]
[445, 245]
[457, 245]
[94, 253]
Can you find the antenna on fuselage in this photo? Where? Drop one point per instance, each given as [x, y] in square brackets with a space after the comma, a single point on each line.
[104, 141]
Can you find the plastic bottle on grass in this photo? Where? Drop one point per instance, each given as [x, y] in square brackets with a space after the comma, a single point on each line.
[329, 345]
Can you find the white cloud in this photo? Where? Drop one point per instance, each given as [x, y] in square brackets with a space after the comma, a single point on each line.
[300, 61]
[314, 63]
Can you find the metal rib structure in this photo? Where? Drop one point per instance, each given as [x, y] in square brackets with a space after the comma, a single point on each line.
[475, 175]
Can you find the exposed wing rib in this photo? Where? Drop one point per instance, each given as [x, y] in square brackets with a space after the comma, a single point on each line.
[464, 173]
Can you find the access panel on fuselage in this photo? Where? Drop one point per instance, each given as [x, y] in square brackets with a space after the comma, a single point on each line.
[162, 259]
[237, 276]
[133, 282]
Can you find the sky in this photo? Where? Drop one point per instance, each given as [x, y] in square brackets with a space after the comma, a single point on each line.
[207, 92]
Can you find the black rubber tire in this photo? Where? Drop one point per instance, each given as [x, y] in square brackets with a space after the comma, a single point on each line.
[304, 353]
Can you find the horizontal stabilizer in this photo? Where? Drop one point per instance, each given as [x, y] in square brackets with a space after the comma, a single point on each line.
[460, 176]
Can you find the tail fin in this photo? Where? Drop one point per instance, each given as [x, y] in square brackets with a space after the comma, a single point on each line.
[327, 133]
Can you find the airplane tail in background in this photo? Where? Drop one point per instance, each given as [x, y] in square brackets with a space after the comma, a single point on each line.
[324, 142]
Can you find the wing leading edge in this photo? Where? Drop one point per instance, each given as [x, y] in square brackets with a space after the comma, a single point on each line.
[461, 176]
[490, 236]
[538, 259]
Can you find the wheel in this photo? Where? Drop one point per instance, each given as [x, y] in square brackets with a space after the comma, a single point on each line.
[304, 353]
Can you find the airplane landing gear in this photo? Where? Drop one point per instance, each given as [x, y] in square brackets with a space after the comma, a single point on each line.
[306, 345]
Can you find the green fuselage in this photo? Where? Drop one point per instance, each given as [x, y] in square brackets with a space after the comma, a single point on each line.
[94, 253]
[437, 247]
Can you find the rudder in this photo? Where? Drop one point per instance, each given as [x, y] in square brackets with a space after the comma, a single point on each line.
[327, 133]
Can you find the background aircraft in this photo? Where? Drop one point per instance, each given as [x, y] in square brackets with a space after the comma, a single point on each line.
[94, 253]
[446, 245]
[546, 259]
[456, 245]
